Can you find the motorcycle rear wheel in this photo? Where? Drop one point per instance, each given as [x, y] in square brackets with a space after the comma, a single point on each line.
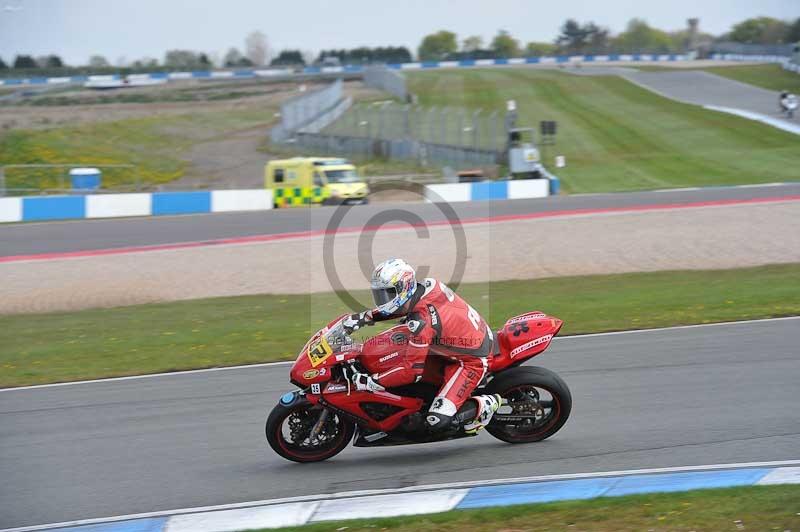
[538, 396]
[288, 429]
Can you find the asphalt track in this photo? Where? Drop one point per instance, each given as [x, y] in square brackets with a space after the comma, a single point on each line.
[671, 397]
[85, 235]
[704, 88]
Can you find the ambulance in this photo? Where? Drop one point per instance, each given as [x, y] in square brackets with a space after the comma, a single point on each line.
[314, 180]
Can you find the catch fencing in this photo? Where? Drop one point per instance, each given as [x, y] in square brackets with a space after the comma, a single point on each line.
[424, 153]
[307, 109]
[388, 130]
[381, 78]
[453, 126]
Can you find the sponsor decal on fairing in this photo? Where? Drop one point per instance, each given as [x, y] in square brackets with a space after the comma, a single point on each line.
[389, 356]
[527, 317]
[533, 343]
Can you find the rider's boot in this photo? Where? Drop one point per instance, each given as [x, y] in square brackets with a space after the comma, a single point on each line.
[487, 406]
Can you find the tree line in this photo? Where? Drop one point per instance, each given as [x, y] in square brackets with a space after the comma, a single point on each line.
[589, 38]
[574, 38]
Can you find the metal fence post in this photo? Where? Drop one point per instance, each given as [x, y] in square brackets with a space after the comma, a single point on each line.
[443, 126]
[381, 119]
[2, 181]
[493, 125]
[432, 124]
[475, 127]
[407, 122]
[460, 127]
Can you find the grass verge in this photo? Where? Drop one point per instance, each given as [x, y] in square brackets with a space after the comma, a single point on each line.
[747, 508]
[617, 136]
[155, 145]
[44, 348]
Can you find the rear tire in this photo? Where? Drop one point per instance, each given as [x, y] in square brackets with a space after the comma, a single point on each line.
[337, 430]
[519, 386]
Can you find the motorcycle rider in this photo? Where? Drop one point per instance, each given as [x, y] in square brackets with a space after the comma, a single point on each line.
[440, 323]
[788, 103]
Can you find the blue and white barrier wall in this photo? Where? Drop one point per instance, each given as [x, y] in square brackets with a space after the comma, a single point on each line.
[491, 190]
[43, 208]
[116, 80]
[299, 511]
[784, 61]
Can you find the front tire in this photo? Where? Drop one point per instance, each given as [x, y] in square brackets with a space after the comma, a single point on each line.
[288, 429]
[539, 400]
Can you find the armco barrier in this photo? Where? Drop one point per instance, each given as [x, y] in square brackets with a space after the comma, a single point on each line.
[328, 72]
[491, 190]
[43, 208]
[785, 62]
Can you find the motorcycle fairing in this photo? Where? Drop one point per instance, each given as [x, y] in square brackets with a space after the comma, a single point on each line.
[522, 338]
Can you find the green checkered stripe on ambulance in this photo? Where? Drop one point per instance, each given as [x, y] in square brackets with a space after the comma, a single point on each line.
[299, 196]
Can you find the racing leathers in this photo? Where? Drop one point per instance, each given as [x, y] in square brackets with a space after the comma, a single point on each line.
[440, 323]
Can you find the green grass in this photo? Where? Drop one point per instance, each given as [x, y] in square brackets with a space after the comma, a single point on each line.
[617, 136]
[744, 508]
[155, 145]
[202, 333]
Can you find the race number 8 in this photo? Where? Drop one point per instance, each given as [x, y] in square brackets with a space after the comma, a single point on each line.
[474, 317]
[447, 292]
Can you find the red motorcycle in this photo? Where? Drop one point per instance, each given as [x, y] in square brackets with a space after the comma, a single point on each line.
[319, 420]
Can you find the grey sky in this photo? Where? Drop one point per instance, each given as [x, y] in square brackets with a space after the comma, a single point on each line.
[76, 29]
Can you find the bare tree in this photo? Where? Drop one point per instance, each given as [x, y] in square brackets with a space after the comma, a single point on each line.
[256, 48]
[308, 56]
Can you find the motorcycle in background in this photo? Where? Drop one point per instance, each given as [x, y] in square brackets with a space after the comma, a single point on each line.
[788, 104]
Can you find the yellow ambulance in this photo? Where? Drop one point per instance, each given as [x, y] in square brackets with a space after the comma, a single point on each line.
[314, 180]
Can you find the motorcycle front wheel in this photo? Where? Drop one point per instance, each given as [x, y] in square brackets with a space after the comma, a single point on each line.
[538, 403]
[303, 432]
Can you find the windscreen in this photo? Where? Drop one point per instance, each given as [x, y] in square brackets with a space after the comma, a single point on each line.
[342, 176]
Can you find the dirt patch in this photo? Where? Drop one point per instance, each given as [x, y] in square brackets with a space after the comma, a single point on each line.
[708, 238]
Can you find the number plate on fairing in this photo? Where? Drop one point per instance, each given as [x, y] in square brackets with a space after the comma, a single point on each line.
[319, 351]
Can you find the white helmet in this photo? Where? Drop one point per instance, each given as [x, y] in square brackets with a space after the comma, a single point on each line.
[393, 283]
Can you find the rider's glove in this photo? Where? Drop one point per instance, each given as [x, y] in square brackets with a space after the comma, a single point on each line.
[364, 382]
[355, 321]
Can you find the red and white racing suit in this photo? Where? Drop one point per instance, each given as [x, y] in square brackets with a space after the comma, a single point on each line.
[442, 323]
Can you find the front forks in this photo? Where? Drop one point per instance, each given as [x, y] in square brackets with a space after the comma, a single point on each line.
[317, 428]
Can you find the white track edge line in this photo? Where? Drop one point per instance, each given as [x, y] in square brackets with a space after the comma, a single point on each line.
[287, 362]
[408, 489]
